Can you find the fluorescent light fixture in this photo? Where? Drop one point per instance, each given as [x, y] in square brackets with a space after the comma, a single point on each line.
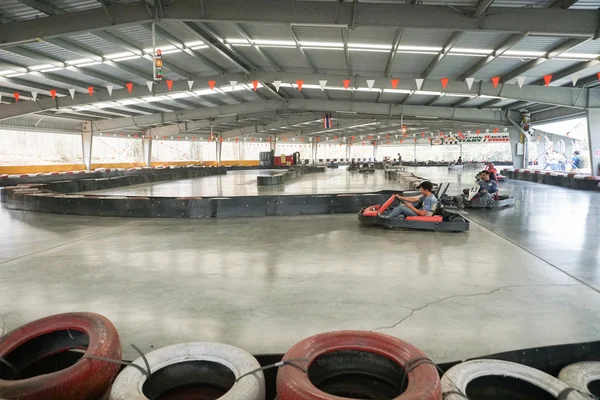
[194, 43]
[420, 48]
[129, 102]
[396, 91]
[150, 99]
[416, 52]
[52, 69]
[199, 47]
[38, 67]
[179, 95]
[204, 92]
[104, 105]
[320, 25]
[235, 40]
[276, 46]
[474, 51]
[358, 126]
[79, 61]
[242, 45]
[7, 72]
[126, 58]
[119, 55]
[428, 93]
[578, 55]
[172, 51]
[467, 55]
[371, 50]
[275, 42]
[459, 95]
[323, 48]
[161, 48]
[525, 53]
[485, 96]
[88, 64]
[14, 75]
[369, 46]
[322, 44]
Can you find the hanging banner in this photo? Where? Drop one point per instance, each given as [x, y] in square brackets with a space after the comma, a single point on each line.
[437, 141]
[452, 140]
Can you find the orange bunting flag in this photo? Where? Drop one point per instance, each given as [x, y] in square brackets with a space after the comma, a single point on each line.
[478, 131]
[547, 79]
[422, 135]
[253, 139]
[129, 87]
[346, 83]
[444, 82]
[169, 84]
[387, 136]
[495, 130]
[211, 84]
[496, 81]
[91, 90]
[388, 142]
[16, 94]
[370, 137]
[598, 75]
[299, 83]
[395, 83]
[237, 140]
[53, 93]
[255, 85]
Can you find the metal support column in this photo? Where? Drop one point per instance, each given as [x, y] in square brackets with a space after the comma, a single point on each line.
[517, 147]
[348, 150]
[87, 137]
[593, 120]
[219, 143]
[542, 148]
[314, 152]
[374, 150]
[147, 148]
[273, 143]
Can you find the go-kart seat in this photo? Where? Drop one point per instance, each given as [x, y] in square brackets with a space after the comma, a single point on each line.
[432, 218]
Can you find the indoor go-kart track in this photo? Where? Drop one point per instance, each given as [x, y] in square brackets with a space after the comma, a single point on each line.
[521, 277]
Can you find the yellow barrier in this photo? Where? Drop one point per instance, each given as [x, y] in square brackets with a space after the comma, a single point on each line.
[36, 169]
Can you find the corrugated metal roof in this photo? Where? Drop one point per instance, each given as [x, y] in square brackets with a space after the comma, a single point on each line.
[75, 5]
[325, 59]
[254, 57]
[50, 123]
[289, 58]
[52, 51]
[139, 36]
[317, 34]
[589, 47]
[372, 35]
[179, 30]
[549, 67]
[18, 11]
[411, 65]
[422, 37]
[453, 66]
[225, 29]
[9, 57]
[586, 5]
[498, 67]
[537, 43]
[89, 40]
[368, 63]
[267, 31]
[480, 40]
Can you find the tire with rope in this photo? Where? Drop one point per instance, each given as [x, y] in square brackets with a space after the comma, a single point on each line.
[580, 375]
[192, 371]
[359, 365]
[36, 361]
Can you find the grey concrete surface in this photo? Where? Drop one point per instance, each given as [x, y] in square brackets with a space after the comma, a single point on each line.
[265, 283]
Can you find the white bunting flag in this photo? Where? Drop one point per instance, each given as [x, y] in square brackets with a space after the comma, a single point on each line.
[419, 83]
[34, 96]
[190, 84]
[521, 80]
[322, 84]
[370, 83]
[233, 85]
[72, 93]
[109, 88]
[574, 79]
[470, 82]
[277, 85]
[149, 84]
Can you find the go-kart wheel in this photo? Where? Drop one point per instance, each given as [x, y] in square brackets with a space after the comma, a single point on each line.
[458, 219]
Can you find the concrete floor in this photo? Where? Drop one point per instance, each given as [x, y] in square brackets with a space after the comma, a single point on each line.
[264, 284]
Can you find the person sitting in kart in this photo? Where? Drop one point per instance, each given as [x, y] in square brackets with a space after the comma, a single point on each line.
[427, 198]
[488, 188]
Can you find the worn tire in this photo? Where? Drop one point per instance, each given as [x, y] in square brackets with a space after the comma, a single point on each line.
[294, 384]
[129, 383]
[580, 374]
[458, 377]
[87, 379]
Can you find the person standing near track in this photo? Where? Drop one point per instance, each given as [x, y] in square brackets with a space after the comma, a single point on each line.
[409, 210]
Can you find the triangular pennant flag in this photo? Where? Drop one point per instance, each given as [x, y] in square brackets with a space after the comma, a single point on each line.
[91, 90]
[72, 93]
[169, 84]
[495, 81]
[444, 82]
[190, 84]
[211, 84]
[470, 82]
[574, 79]
[149, 84]
[233, 85]
[322, 84]
[395, 83]
[277, 85]
[299, 83]
[255, 84]
[110, 89]
[129, 87]
[346, 83]
[520, 80]
[370, 83]
[34, 96]
[16, 94]
[419, 83]
[598, 75]
[547, 79]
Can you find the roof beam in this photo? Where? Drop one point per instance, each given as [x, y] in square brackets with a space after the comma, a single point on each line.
[450, 43]
[554, 52]
[306, 59]
[346, 51]
[564, 4]
[481, 7]
[43, 6]
[557, 114]
[576, 23]
[572, 70]
[277, 124]
[504, 47]
[392, 55]
[245, 35]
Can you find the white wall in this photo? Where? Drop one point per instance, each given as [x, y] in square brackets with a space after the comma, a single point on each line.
[31, 148]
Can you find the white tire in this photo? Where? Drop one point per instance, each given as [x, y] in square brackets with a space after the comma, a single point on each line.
[458, 377]
[129, 383]
[579, 375]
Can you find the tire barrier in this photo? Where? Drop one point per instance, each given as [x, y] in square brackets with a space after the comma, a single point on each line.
[356, 364]
[456, 380]
[280, 178]
[555, 178]
[38, 364]
[191, 371]
[580, 375]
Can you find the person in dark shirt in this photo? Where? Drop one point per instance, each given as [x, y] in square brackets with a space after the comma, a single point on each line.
[488, 188]
[577, 160]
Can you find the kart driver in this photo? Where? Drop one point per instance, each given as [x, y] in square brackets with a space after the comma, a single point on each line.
[488, 187]
[409, 210]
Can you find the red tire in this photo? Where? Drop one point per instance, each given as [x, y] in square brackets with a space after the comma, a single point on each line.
[294, 384]
[27, 347]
